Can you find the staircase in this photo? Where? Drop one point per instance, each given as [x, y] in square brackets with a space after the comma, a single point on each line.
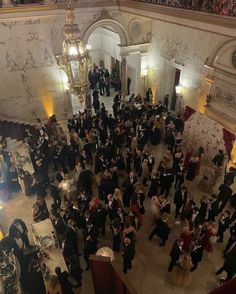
[16, 129]
[15, 132]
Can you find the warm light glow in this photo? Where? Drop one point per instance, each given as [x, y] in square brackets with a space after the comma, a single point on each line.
[48, 105]
[73, 51]
[233, 153]
[144, 72]
[88, 46]
[105, 252]
[178, 89]
[81, 98]
[81, 50]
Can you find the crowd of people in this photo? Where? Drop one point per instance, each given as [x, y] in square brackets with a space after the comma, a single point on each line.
[100, 181]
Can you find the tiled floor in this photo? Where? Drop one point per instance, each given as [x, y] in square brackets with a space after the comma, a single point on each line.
[149, 273]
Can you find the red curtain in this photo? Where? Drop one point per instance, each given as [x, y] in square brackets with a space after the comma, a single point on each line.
[229, 139]
[188, 112]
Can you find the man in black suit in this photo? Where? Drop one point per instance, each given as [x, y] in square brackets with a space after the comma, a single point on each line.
[166, 180]
[224, 195]
[213, 211]
[162, 229]
[54, 193]
[196, 254]
[106, 187]
[179, 199]
[100, 219]
[71, 243]
[159, 108]
[128, 255]
[175, 253]
[100, 164]
[231, 241]
[128, 188]
[85, 178]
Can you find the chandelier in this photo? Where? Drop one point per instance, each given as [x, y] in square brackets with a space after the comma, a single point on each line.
[74, 59]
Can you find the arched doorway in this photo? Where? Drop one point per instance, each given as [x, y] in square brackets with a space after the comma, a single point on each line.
[109, 23]
[112, 38]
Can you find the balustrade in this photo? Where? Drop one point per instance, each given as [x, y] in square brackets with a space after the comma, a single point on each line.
[222, 7]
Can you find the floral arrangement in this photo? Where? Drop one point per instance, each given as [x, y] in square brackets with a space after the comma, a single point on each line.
[225, 7]
[200, 130]
[187, 113]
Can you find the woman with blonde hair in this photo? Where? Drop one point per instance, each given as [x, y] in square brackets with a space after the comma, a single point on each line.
[182, 272]
[134, 145]
[118, 196]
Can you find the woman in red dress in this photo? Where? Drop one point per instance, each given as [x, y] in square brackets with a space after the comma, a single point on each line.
[209, 236]
[186, 236]
[188, 155]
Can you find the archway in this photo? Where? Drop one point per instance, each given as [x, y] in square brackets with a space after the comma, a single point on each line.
[116, 26]
[221, 76]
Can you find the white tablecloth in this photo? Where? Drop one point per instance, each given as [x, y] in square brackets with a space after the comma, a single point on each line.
[43, 229]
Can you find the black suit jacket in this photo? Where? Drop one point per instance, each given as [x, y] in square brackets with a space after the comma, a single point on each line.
[175, 252]
[225, 192]
[162, 229]
[179, 199]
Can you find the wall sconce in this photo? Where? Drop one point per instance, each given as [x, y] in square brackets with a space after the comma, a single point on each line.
[178, 89]
[144, 72]
[88, 47]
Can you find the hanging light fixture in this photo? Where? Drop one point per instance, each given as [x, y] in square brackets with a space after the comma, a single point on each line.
[74, 59]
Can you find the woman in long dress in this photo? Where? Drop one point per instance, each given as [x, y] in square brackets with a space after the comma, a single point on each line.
[116, 233]
[186, 236]
[209, 236]
[192, 168]
[181, 275]
[206, 183]
[155, 208]
[155, 137]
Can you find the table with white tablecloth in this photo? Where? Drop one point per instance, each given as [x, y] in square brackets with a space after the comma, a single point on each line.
[51, 256]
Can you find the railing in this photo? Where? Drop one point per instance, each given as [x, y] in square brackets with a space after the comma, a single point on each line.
[222, 7]
[56, 3]
[22, 2]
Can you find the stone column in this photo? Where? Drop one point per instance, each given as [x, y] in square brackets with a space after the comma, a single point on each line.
[68, 102]
[144, 73]
[124, 76]
[88, 98]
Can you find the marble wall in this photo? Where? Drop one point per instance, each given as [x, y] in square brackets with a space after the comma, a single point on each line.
[33, 85]
[184, 48]
[30, 78]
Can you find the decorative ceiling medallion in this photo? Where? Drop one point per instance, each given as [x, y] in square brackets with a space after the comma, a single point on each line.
[135, 28]
[234, 59]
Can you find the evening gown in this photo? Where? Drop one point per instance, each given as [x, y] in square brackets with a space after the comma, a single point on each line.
[153, 187]
[191, 171]
[155, 137]
[116, 239]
